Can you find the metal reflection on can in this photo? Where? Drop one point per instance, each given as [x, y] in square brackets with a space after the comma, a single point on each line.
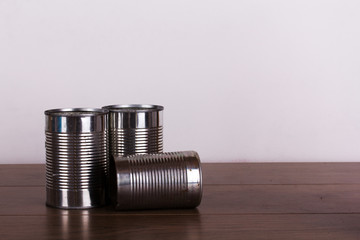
[76, 157]
[154, 181]
[135, 129]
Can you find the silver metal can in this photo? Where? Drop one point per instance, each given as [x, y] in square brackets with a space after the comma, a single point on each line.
[77, 162]
[154, 181]
[135, 129]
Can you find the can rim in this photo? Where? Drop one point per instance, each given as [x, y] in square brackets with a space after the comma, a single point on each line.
[76, 111]
[133, 108]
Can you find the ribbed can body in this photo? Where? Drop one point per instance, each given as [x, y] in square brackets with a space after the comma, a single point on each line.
[77, 162]
[165, 180]
[135, 129]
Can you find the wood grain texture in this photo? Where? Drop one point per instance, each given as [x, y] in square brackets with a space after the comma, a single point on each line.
[281, 173]
[22, 175]
[220, 173]
[240, 201]
[217, 199]
[144, 227]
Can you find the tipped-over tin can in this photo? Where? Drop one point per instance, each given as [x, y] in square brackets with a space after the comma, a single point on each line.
[154, 181]
[76, 157]
[135, 129]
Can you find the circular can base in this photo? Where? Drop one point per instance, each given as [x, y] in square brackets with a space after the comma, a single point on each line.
[82, 199]
[71, 208]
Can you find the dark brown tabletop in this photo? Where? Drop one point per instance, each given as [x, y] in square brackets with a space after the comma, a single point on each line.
[240, 201]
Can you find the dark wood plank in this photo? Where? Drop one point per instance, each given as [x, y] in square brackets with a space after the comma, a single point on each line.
[217, 199]
[22, 175]
[241, 201]
[281, 173]
[222, 173]
[87, 226]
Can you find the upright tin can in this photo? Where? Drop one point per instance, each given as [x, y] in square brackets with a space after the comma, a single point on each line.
[135, 129]
[77, 162]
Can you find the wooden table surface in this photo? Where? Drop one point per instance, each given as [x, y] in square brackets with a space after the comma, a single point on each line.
[240, 201]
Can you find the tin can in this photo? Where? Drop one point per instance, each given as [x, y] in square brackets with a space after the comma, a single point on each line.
[135, 129]
[77, 162]
[154, 181]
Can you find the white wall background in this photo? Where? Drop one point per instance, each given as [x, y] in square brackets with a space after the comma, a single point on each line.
[252, 80]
